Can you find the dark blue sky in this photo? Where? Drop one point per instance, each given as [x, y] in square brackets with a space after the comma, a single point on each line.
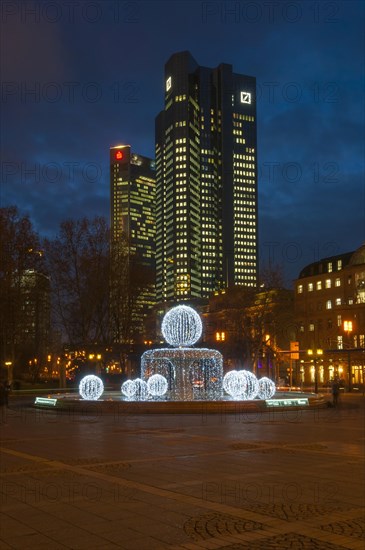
[78, 77]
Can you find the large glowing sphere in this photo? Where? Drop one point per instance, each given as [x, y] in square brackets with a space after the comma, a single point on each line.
[181, 326]
[266, 388]
[234, 384]
[91, 387]
[251, 384]
[129, 388]
[141, 390]
[157, 385]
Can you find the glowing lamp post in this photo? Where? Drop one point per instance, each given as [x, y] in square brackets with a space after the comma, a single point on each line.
[347, 327]
[315, 354]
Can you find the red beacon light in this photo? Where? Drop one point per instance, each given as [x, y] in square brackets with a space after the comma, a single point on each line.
[119, 155]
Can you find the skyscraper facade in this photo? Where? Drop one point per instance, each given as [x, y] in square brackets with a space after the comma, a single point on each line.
[132, 186]
[206, 181]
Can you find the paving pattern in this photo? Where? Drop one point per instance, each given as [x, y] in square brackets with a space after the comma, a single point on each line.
[213, 525]
[183, 482]
[288, 541]
[351, 528]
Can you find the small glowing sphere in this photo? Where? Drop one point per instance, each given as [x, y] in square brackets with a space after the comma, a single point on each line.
[141, 389]
[251, 384]
[234, 384]
[91, 387]
[181, 326]
[129, 388]
[267, 388]
[157, 385]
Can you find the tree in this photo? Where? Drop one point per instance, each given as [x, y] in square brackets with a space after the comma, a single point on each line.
[254, 320]
[23, 287]
[78, 262]
[132, 286]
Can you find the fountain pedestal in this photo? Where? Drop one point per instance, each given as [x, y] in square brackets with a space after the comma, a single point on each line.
[191, 373]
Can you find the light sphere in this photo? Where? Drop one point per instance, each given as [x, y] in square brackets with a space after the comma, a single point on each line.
[251, 384]
[181, 326]
[267, 388]
[157, 385]
[129, 388]
[234, 384]
[91, 387]
[141, 390]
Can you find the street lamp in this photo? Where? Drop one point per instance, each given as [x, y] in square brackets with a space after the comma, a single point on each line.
[347, 327]
[315, 354]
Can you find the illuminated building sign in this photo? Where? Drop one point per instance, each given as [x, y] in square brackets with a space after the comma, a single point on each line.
[136, 160]
[119, 155]
[168, 84]
[246, 97]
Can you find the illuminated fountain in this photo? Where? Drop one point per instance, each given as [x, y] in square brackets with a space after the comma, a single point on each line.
[178, 375]
[190, 373]
[182, 372]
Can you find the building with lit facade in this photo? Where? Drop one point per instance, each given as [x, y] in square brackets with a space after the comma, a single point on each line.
[330, 318]
[33, 331]
[132, 194]
[206, 181]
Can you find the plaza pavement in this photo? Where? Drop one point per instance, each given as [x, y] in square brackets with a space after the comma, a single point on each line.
[258, 481]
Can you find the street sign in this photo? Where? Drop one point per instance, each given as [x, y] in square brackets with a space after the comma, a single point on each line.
[294, 350]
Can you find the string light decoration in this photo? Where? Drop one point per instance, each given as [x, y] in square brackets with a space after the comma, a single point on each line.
[141, 390]
[181, 326]
[242, 384]
[157, 385]
[251, 385]
[191, 373]
[91, 387]
[129, 388]
[267, 388]
[234, 384]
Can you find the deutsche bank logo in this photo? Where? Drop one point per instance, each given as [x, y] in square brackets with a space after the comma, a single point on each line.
[245, 97]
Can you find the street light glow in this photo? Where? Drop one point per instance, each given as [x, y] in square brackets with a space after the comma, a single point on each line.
[347, 326]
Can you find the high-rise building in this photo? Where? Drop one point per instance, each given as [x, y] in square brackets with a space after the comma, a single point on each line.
[132, 186]
[206, 181]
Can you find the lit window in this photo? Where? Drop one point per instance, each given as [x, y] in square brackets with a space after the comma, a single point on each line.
[319, 285]
[339, 265]
[311, 327]
[339, 342]
[328, 283]
[338, 301]
[338, 281]
[329, 304]
[300, 289]
[310, 287]
[329, 267]
[339, 320]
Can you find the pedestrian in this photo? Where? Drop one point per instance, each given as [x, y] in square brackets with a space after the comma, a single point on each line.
[335, 391]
